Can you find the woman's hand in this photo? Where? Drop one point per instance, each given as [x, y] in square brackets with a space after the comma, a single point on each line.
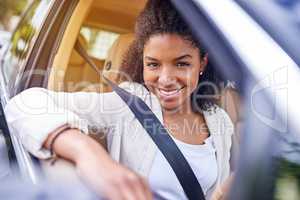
[93, 164]
[113, 181]
[221, 191]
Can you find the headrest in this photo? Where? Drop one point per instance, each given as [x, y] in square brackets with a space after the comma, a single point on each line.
[115, 56]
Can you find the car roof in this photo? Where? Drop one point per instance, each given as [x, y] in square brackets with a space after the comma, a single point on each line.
[107, 14]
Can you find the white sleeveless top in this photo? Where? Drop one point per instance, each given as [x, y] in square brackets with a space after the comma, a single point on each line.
[202, 160]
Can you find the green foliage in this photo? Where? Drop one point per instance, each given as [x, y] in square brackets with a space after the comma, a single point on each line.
[9, 8]
[289, 169]
[15, 7]
[288, 181]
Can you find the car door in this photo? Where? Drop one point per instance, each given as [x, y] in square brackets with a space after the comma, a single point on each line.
[25, 61]
[264, 67]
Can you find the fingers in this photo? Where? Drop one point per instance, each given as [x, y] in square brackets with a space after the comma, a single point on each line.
[111, 193]
[127, 192]
[217, 194]
[113, 181]
[137, 187]
[146, 189]
[133, 184]
[129, 186]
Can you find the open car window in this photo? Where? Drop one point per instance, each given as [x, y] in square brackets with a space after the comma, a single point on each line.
[99, 41]
[23, 39]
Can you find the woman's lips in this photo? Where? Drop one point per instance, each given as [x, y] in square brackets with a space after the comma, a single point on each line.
[169, 94]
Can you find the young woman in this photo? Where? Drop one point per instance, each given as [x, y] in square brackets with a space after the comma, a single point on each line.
[169, 72]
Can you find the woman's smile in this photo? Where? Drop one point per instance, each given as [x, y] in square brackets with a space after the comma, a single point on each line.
[169, 94]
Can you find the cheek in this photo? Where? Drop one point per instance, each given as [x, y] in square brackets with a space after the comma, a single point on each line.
[150, 78]
[195, 75]
[192, 79]
[195, 82]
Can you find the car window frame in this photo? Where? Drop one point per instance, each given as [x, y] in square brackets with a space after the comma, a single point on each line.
[285, 29]
[42, 60]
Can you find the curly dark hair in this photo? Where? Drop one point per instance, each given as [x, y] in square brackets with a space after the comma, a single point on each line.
[160, 17]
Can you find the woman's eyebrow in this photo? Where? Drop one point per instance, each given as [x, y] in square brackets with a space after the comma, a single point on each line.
[178, 58]
[184, 56]
[150, 58]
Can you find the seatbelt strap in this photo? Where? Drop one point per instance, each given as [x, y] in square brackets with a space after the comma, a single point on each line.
[158, 134]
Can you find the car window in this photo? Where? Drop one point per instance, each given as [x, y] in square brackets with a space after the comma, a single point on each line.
[98, 41]
[11, 13]
[23, 38]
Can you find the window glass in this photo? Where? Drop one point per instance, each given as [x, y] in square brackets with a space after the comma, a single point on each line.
[98, 41]
[23, 38]
[10, 13]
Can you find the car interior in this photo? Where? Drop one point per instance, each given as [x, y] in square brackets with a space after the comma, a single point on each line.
[108, 27]
[92, 24]
[89, 18]
[47, 37]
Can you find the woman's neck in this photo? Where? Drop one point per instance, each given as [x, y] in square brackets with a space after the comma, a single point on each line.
[186, 125]
[179, 113]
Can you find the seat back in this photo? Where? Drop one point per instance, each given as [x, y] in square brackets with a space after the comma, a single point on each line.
[79, 75]
[113, 62]
[75, 67]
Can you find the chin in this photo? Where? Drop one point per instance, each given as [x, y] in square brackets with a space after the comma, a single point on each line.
[171, 106]
[167, 106]
[175, 105]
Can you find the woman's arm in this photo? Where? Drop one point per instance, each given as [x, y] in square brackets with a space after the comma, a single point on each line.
[36, 112]
[222, 191]
[105, 176]
[35, 115]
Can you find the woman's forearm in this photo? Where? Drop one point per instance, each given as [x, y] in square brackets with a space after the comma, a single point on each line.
[74, 146]
[93, 164]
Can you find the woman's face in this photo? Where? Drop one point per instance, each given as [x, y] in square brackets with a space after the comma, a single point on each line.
[171, 69]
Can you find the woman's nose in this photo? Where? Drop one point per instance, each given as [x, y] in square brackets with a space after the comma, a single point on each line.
[166, 77]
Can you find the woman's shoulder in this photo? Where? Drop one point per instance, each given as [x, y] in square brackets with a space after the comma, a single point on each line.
[218, 119]
[216, 111]
[135, 88]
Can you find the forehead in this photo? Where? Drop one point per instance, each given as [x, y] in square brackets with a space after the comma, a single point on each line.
[168, 44]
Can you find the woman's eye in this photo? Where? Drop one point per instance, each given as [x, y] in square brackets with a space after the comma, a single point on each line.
[152, 64]
[183, 64]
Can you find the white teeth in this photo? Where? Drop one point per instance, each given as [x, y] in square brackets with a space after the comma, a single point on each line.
[168, 93]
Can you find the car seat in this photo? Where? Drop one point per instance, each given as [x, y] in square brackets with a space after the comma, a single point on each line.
[79, 75]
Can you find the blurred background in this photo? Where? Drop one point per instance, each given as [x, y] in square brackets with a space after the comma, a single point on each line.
[10, 13]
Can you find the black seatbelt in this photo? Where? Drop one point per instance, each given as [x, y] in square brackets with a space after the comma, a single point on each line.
[158, 133]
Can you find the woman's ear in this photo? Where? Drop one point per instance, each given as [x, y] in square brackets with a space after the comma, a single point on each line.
[204, 62]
